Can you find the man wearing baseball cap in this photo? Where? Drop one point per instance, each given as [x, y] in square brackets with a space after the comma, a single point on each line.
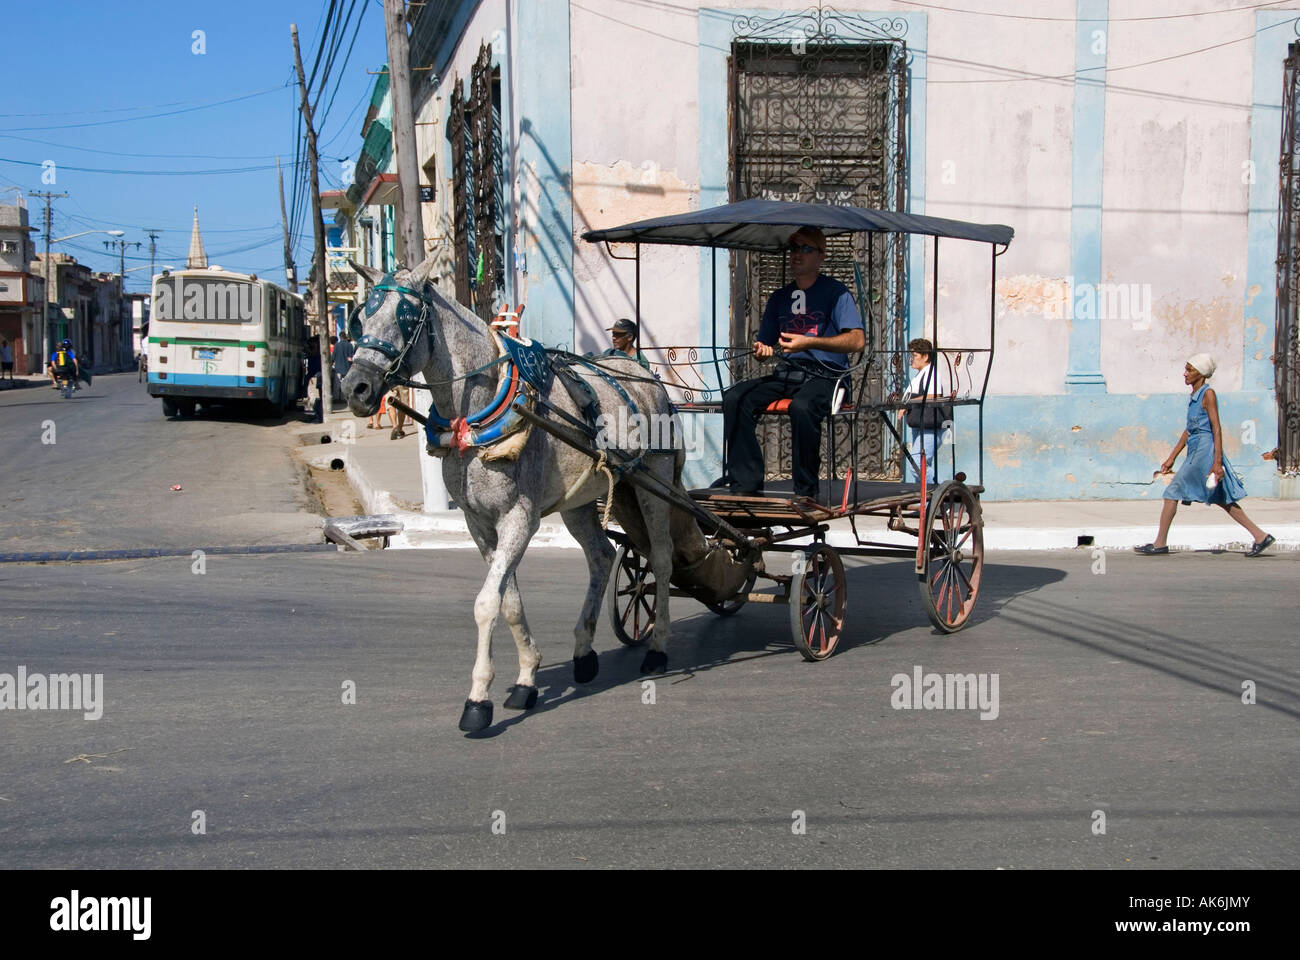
[816, 324]
[624, 335]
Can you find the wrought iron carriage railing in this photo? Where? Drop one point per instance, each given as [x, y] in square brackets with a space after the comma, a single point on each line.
[818, 113]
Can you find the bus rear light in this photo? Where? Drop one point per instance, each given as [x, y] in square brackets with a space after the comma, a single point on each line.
[251, 379]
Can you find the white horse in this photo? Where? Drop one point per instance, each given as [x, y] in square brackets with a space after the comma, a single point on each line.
[408, 325]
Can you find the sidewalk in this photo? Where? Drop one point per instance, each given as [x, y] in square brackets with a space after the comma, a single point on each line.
[385, 475]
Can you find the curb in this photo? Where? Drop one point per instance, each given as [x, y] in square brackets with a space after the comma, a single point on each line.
[424, 531]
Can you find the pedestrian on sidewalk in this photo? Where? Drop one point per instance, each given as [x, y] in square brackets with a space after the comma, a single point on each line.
[376, 421]
[342, 352]
[403, 395]
[6, 360]
[1206, 475]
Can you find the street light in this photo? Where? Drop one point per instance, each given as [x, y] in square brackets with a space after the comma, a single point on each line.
[45, 314]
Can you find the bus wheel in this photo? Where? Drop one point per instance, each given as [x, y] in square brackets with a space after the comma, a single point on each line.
[169, 407]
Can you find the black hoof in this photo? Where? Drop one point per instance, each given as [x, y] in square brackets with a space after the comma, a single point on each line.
[585, 668]
[521, 697]
[655, 662]
[476, 716]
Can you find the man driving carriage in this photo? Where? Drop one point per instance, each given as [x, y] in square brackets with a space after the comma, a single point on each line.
[815, 323]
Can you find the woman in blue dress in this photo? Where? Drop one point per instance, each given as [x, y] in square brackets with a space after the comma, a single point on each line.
[1205, 460]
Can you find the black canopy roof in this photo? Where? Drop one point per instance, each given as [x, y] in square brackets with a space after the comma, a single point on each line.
[767, 224]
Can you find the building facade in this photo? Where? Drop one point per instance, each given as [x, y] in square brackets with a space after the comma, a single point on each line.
[21, 291]
[1135, 154]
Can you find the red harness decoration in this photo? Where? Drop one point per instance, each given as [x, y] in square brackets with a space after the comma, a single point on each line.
[460, 435]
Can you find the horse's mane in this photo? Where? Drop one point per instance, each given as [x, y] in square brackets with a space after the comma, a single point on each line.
[457, 309]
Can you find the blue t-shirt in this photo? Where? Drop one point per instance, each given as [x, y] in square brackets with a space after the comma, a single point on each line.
[826, 309]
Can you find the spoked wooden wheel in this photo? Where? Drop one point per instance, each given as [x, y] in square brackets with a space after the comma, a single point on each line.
[954, 530]
[632, 597]
[817, 599]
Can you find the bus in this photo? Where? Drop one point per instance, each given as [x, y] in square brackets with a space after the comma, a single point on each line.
[218, 336]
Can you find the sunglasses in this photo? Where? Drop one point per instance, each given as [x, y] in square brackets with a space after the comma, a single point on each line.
[803, 248]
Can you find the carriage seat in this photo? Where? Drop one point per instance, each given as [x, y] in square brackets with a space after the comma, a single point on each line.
[837, 399]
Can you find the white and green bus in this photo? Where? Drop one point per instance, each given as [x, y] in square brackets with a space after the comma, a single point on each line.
[217, 336]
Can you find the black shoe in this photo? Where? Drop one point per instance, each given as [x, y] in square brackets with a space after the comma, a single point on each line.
[1263, 545]
[1151, 550]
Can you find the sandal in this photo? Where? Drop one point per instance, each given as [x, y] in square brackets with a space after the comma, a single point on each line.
[1263, 545]
[1151, 550]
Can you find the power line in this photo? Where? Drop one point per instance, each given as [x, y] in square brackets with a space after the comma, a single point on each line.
[343, 71]
[1021, 16]
[148, 116]
[147, 173]
[320, 47]
[154, 156]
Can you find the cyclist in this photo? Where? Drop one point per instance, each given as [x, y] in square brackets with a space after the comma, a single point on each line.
[64, 364]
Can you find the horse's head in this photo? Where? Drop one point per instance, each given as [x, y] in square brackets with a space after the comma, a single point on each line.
[391, 332]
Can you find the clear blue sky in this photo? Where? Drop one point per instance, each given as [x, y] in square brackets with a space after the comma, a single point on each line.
[75, 64]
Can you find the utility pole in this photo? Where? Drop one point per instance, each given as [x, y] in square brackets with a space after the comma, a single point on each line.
[45, 314]
[318, 228]
[121, 247]
[121, 284]
[290, 275]
[411, 226]
[153, 250]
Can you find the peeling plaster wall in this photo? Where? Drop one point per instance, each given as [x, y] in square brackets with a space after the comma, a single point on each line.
[998, 151]
[1176, 190]
[635, 156]
[994, 120]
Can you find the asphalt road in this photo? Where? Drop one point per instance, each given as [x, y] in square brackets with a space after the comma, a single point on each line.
[1119, 692]
[105, 481]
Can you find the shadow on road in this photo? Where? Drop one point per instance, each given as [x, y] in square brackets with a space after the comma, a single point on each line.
[884, 600]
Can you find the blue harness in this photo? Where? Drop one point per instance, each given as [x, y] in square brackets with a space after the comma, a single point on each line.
[524, 363]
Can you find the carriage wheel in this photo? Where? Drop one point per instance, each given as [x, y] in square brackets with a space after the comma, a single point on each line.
[817, 598]
[954, 529]
[632, 597]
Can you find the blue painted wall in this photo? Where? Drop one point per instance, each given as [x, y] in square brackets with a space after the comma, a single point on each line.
[1087, 150]
[546, 147]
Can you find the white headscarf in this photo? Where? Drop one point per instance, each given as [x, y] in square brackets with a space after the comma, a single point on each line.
[1203, 363]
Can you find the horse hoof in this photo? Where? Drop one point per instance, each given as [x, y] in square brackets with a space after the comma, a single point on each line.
[585, 667]
[476, 716]
[521, 697]
[656, 661]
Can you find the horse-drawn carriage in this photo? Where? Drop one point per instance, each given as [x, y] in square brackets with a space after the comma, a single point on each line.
[945, 522]
[514, 401]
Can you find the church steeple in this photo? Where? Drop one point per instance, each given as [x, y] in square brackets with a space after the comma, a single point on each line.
[197, 260]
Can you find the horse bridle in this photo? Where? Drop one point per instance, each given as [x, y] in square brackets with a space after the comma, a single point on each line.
[410, 326]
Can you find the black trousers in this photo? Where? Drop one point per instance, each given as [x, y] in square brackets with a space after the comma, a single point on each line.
[810, 402]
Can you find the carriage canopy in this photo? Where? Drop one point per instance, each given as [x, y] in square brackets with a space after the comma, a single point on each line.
[766, 225]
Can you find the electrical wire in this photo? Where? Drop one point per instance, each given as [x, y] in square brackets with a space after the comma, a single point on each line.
[148, 116]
